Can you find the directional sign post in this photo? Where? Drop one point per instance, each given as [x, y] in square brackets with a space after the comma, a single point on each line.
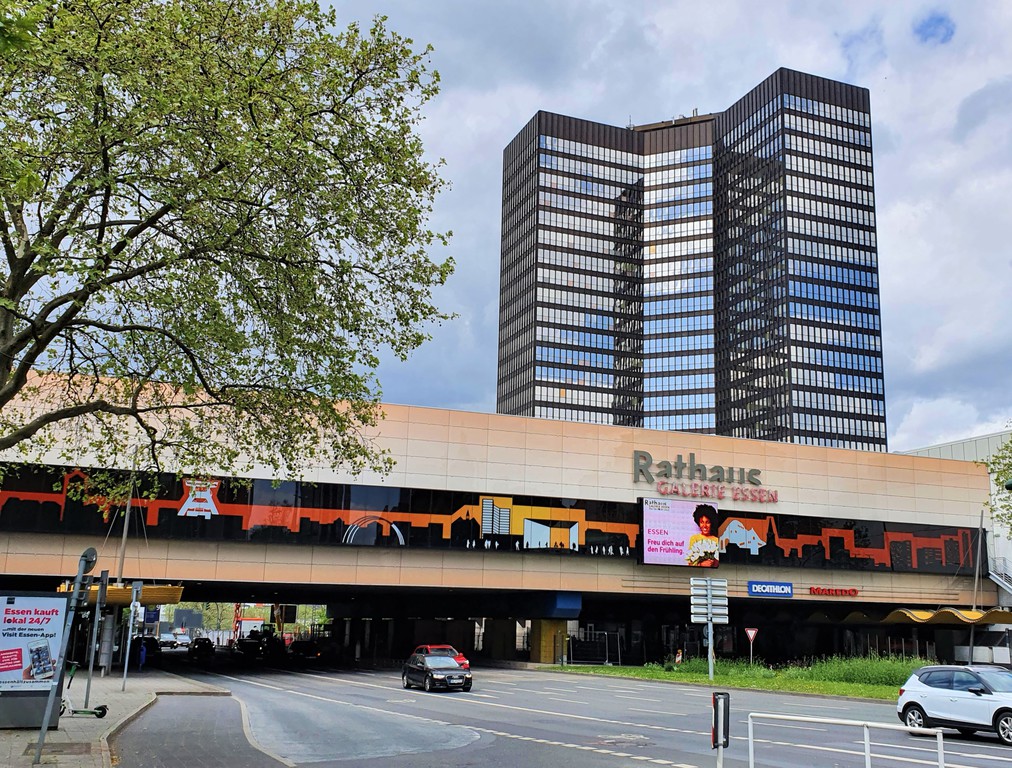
[708, 605]
[751, 632]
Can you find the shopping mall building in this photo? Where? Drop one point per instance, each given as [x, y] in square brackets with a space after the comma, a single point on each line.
[569, 529]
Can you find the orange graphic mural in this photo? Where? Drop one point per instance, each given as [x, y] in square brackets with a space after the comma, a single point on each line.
[753, 533]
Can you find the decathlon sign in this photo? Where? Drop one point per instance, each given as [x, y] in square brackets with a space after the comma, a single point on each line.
[770, 589]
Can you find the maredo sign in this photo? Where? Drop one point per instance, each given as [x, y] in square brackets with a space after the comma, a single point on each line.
[700, 481]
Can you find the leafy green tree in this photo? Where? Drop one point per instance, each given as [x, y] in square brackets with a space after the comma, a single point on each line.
[214, 216]
[999, 465]
[18, 25]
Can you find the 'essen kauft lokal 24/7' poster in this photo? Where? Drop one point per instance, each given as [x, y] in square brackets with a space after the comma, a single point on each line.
[31, 635]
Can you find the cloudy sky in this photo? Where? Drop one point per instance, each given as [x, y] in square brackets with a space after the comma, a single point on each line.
[940, 76]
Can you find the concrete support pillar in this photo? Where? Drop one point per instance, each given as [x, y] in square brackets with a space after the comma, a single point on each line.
[548, 641]
[500, 639]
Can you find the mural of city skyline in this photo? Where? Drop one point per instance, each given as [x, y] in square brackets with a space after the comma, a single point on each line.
[41, 499]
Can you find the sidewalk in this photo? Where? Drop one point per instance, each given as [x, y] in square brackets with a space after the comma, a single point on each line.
[81, 741]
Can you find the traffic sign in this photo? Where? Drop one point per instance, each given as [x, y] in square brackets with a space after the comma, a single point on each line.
[751, 632]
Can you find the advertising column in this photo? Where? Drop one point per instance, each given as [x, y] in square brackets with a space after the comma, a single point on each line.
[31, 635]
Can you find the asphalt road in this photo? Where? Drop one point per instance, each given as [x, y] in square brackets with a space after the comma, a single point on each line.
[345, 719]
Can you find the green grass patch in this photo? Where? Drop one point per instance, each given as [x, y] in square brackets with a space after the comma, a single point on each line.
[872, 677]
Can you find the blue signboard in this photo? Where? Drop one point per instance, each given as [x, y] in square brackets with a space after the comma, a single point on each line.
[151, 615]
[770, 589]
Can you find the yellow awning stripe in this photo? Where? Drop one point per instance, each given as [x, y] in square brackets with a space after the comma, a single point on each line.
[151, 594]
[951, 616]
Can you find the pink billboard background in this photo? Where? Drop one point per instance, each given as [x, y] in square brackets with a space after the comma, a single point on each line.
[672, 537]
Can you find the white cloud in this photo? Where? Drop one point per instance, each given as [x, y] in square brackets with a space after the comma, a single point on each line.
[943, 420]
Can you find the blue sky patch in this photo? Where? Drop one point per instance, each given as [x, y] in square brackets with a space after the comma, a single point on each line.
[935, 29]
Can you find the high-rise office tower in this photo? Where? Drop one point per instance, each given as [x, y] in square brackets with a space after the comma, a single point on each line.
[714, 273]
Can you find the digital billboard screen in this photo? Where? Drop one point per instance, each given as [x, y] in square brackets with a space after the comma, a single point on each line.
[678, 532]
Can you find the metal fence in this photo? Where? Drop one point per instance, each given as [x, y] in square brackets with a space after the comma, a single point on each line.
[595, 648]
[865, 726]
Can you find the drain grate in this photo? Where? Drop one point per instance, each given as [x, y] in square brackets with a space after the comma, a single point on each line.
[61, 748]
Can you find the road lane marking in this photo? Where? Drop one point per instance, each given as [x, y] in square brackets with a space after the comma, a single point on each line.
[638, 698]
[795, 727]
[585, 748]
[807, 706]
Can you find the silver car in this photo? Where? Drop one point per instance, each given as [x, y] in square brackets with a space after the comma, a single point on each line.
[967, 698]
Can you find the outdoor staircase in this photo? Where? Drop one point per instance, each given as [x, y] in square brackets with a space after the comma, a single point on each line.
[1000, 572]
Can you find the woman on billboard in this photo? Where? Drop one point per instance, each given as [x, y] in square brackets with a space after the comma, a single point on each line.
[704, 546]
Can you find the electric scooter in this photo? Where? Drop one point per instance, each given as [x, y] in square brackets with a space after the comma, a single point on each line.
[67, 706]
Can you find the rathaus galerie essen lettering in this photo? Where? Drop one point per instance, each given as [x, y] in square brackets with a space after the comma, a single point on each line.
[714, 273]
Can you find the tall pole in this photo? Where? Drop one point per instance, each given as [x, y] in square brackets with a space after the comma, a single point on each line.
[135, 606]
[126, 529]
[976, 576]
[88, 559]
[709, 653]
[95, 621]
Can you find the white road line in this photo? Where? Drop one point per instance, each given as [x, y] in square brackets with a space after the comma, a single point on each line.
[637, 698]
[585, 748]
[807, 706]
[795, 727]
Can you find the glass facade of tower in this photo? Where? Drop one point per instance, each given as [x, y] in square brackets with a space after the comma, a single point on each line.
[712, 274]
[678, 323]
[573, 333]
[799, 353]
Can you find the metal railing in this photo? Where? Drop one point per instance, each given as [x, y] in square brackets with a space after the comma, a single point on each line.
[998, 570]
[752, 716]
[595, 648]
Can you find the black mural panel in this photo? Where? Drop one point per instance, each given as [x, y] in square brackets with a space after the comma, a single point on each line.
[35, 499]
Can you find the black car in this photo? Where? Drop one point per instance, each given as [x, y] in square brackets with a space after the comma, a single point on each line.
[433, 672]
[201, 649]
[305, 650]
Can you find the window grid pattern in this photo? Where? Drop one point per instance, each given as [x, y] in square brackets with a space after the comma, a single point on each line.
[718, 274]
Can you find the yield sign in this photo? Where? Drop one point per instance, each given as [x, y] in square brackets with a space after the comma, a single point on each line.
[751, 632]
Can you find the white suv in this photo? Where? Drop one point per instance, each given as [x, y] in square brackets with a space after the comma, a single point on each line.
[969, 699]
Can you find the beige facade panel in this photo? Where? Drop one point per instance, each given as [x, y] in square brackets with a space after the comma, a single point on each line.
[512, 456]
